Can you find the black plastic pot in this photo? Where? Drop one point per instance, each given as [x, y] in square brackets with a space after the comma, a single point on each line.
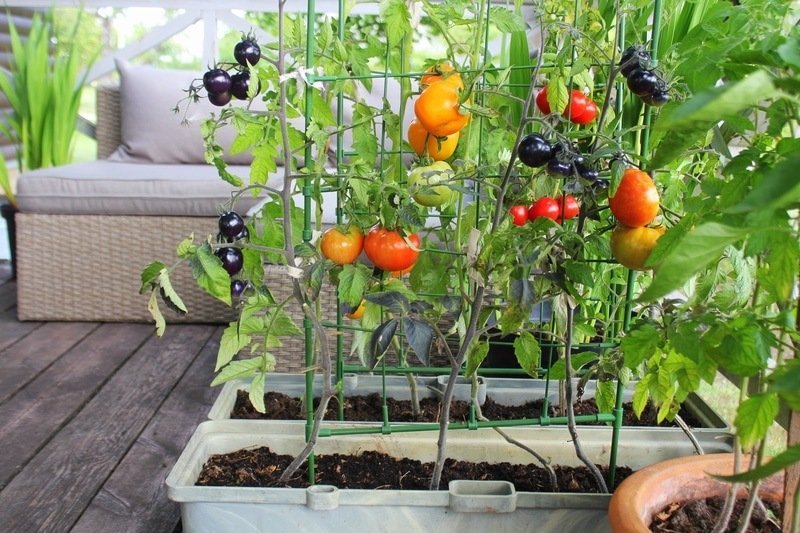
[8, 211]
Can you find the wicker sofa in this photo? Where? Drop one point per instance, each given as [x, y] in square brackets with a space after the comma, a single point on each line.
[86, 230]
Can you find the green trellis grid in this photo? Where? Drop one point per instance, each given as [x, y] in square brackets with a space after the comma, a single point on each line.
[615, 327]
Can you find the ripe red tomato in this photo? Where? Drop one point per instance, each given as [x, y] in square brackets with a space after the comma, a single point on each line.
[580, 109]
[569, 207]
[544, 207]
[577, 105]
[541, 101]
[389, 251]
[635, 203]
[519, 213]
[632, 246]
[342, 246]
[588, 115]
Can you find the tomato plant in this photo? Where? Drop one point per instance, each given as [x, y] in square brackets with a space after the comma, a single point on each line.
[389, 251]
[631, 247]
[635, 203]
[342, 246]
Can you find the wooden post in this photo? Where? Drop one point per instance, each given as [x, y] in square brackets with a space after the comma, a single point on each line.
[792, 473]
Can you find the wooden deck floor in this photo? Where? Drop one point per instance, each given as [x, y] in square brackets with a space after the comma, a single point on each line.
[93, 417]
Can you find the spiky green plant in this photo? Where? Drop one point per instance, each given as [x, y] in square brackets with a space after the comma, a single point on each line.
[44, 93]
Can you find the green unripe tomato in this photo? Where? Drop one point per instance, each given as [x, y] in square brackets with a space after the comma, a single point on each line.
[423, 184]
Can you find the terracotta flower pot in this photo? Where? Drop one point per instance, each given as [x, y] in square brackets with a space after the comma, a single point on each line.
[652, 488]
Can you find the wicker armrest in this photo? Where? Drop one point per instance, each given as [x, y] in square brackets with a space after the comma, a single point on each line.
[108, 120]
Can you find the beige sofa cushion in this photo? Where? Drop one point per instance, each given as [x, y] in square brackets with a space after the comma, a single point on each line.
[151, 132]
[114, 188]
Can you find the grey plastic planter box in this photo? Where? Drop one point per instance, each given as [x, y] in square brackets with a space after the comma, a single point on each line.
[466, 506]
[715, 437]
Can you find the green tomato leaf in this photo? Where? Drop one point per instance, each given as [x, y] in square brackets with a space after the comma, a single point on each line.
[151, 274]
[476, 355]
[640, 344]
[238, 370]
[779, 188]
[380, 340]
[231, 342]
[256, 393]
[559, 369]
[688, 123]
[641, 395]
[168, 294]
[697, 249]
[353, 282]
[754, 417]
[397, 20]
[419, 336]
[152, 306]
[209, 274]
[605, 395]
[528, 352]
[780, 462]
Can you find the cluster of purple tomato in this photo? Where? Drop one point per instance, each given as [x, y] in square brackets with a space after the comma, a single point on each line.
[222, 86]
[536, 151]
[643, 82]
[232, 229]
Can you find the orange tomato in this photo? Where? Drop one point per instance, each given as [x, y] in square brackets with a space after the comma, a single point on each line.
[389, 251]
[438, 110]
[438, 72]
[342, 246]
[439, 148]
[635, 203]
[632, 246]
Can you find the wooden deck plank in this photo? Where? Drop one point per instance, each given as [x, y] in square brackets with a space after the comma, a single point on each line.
[11, 330]
[55, 487]
[37, 411]
[134, 497]
[34, 353]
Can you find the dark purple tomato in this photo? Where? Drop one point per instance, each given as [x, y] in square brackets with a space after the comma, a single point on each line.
[599, 185]
[219, 99]
[559, 168]
[239, 84]
[231, 224]
[657, 99]
[534, 150]
[636, 61]
[643, 82]
[590, 175]
[237, 287]
[232, 259]
[243, 235]
[246, 52]
[216, 81]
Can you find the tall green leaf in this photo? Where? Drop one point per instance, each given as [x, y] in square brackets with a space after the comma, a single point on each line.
[697, 249]
[690, 122]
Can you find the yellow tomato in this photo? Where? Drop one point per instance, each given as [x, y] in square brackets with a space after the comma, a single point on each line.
[439, 148]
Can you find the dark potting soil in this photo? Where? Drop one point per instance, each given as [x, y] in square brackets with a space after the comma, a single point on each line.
[701, 516]
[260, 467]
[367, 408]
